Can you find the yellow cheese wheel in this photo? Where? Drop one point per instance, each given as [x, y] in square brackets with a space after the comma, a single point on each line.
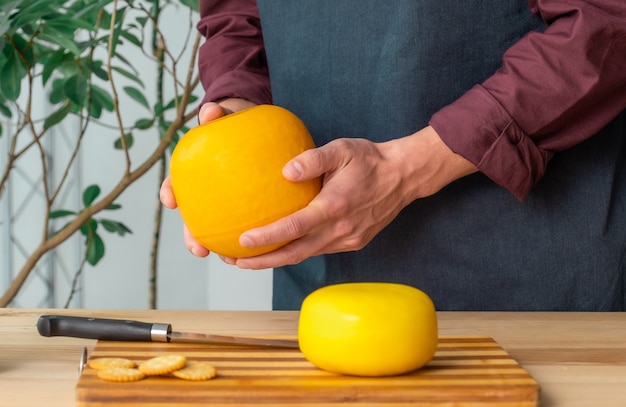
[368, 329]
[227, 176]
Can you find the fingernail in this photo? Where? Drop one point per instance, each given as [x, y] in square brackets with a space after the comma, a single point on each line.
[293, 170]
[228, 260]
[246, 241]
[196, 252]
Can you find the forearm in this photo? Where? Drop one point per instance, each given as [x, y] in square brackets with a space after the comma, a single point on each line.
[232, 60]
[425, 163]
[554, 90]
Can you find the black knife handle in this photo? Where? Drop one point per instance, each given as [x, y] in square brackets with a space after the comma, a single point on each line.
[98, 328]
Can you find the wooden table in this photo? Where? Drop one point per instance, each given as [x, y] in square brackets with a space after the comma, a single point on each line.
[579, 359]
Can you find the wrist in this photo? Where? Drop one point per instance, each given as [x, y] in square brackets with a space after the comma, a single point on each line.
[428, 164]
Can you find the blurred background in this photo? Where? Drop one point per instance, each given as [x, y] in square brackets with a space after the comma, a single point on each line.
[121, 278]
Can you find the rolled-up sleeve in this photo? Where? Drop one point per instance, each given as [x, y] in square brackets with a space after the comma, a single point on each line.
[554, 89]
[231, 60]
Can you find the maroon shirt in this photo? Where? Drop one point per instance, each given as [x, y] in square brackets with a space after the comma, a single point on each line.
[554, 89]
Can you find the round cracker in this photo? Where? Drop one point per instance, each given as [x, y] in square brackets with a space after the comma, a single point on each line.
[162, 364]
[121, 374]
[196, 370]
[109, 363]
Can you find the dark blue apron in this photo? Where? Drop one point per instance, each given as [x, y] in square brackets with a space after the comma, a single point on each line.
[379, 70]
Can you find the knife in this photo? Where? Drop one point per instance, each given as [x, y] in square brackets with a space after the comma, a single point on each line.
[122, 330]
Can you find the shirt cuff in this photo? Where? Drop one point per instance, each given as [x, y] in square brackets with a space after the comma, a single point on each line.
[239, 84]
[478, 128]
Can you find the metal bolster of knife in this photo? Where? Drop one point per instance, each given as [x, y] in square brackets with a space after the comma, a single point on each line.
[160, 332]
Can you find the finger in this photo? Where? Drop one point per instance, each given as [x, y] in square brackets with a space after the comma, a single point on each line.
[213, 110]
[308, 164]
[316, 162]
[293, 253]
[166, 194]
[228, 260]
[192, 244]
[288, 228]
[210, 111]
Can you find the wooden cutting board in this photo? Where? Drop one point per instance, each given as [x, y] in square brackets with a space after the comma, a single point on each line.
[466, 371]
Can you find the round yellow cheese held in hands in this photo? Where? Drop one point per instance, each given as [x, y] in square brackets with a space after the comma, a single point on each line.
[368, 329]
[227, 176]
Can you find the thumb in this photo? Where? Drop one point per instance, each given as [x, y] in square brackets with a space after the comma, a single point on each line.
[210, 111]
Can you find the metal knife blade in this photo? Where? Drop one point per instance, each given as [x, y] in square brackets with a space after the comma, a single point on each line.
[123, 330]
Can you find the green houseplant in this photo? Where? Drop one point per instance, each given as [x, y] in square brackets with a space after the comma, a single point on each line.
[74, 54]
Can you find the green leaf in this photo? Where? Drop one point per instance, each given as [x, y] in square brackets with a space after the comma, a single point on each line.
[96, 69]
[30, 11]
[5, 110]
[126, 61]
[99, 99]
[94, 109]
[130, 37]
[137, 96]
[52, 61]
[192, 4]
[123, 229]
[109, 225]
[24, 48]
[94, 8]
[75, 88]
[36, 8]
[5, 15]
[57, 116]
[12, 73]
[158, 109]
[142, 21]
[133, 77]
[68, 25]
[143, 124]
[113, 207]
[117, 31]
[95, 249]
[60, 213]
[129, 140]
[90, 194]
[56, 94]
[54, 36]
[101, 96]
[115, 227]
[89, 227]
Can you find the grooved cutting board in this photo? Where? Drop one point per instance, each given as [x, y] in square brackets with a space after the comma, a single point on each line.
[466, 371]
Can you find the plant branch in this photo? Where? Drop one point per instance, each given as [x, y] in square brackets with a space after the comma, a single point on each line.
[158, 45]
[127, 179]
[50, 243]
[183, 90]
[83, 126]
[77, 275]
[66, 171]
[116, 99]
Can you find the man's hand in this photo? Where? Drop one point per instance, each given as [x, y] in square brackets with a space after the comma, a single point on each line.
[365, 186]
[208, 111]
